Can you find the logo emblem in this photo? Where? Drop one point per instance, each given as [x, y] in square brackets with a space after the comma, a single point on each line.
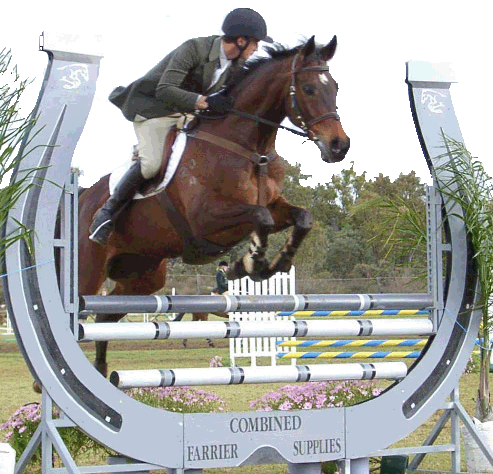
[75, 75]
[433, 99]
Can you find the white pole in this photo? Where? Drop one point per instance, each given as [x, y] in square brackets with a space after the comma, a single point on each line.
[245, 375]
[220, 329]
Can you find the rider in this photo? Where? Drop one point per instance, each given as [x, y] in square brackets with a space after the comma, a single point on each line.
[187, 79]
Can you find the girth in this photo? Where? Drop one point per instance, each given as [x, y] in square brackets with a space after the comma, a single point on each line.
[261, 161]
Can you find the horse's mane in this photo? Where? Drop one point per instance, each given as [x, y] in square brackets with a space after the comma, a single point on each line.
[276, 52]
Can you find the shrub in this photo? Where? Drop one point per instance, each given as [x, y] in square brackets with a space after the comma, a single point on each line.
[20, 427]
[178, 399]
[316, 395]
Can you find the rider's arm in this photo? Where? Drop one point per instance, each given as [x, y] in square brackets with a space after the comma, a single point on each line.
[169, 88]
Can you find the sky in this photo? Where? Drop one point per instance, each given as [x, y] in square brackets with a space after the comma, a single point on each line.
[375, 39]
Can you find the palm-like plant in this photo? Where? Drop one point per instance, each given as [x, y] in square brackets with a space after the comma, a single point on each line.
[475, 196]
[13, 130]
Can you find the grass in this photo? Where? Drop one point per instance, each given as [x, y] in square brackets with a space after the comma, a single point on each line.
[15, 387]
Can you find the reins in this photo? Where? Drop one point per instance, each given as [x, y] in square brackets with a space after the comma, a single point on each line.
[256, 118]
[305, 126]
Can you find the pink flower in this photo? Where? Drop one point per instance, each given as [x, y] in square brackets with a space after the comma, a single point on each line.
[287, 405]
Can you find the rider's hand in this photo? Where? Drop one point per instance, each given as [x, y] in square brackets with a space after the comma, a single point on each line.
[218, 102]
[201, 103]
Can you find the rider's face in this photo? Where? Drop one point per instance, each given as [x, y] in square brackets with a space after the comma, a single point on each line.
[251, 48]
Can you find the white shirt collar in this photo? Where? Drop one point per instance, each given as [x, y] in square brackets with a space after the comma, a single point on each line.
[224, 61]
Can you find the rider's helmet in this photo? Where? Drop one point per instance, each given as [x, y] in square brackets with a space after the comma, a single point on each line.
[246, 22]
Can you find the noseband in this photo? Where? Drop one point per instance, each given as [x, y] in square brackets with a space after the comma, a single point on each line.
[305, 126]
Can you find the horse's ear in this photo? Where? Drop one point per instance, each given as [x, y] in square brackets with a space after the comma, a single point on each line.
[308, 48]
[327, 52]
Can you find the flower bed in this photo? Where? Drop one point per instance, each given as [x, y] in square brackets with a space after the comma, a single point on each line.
[316, 395]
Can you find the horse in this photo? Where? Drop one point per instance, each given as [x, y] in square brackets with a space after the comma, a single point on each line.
[227, 186]
[200, 317]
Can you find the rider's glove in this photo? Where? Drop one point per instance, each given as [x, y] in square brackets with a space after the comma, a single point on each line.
[218, 102]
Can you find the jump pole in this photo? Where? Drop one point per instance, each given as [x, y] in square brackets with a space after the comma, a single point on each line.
[108, 415]
[232, 329]
[369, 312]
[356, 343]
[247, 375]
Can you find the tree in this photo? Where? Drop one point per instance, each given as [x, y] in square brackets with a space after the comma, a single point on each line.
[346, 249]
[393, 215]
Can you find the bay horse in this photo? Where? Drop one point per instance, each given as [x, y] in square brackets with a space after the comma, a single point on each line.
[227, 186]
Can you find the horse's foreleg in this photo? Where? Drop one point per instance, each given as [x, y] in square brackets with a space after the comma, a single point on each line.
[286, 214]
[254, 263]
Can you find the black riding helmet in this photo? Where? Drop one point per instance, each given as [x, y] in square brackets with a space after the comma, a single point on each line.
[246, 22]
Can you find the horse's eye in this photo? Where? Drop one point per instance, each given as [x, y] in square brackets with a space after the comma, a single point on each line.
[308, 89]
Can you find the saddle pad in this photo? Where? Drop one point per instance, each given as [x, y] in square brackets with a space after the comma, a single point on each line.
[174, 161]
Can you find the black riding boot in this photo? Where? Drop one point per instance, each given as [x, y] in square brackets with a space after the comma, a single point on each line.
[104, 220]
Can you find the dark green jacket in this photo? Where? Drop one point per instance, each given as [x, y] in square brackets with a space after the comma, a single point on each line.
[222, 282]
[174, 84]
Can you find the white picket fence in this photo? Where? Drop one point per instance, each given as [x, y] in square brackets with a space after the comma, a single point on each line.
[255, 347]
[7, 328]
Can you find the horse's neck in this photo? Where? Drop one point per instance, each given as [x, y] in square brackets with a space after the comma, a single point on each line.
[263, 101]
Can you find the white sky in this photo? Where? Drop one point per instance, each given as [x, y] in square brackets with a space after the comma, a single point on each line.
[376, 38]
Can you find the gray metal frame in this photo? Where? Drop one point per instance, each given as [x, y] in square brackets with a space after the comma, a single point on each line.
[195, 441]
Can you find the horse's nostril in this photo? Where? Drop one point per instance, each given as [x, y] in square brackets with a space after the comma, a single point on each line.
[339, 146]
[336, 146]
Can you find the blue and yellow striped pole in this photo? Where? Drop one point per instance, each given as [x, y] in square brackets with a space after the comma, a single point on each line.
[370, 312]
[349, 355]
[356, 343]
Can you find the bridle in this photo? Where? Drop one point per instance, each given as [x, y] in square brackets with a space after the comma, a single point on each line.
[305, 126]
[302, 123]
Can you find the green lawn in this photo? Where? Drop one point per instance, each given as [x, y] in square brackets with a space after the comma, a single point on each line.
[15, 386]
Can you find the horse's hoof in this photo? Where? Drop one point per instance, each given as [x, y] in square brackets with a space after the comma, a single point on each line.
[102, 368]
[36, 387]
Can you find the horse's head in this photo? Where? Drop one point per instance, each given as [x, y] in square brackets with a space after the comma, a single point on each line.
[311, 104]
